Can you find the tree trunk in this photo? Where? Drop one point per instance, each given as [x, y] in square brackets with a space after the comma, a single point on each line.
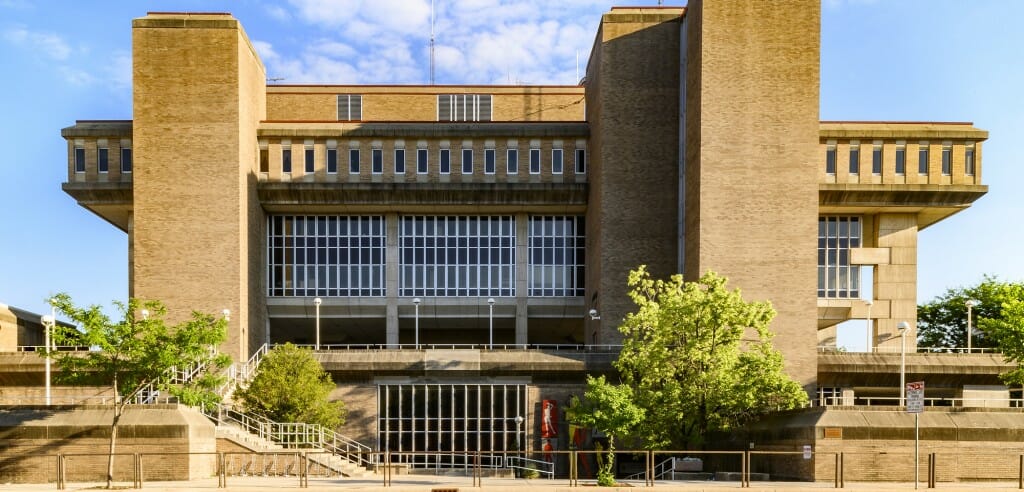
[118, 409]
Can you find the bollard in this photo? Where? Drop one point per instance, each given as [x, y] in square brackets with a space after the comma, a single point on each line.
[837, 471]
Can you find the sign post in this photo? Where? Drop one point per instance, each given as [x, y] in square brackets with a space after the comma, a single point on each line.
[915, 405]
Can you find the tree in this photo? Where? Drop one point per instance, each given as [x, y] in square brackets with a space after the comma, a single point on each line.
[291, 386]
[134, 354]
[943, 321]
[1007, 331]
[688, 365]
[610, 409]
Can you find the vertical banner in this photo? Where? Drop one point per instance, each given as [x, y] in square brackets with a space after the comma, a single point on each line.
[548, 419]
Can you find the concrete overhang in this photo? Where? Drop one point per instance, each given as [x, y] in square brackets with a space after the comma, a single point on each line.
[111, 201]
[834, 311]
[518, 129]
[853, 369]
[366, 364]
[98, 129]
[900, 130]
[931, 202]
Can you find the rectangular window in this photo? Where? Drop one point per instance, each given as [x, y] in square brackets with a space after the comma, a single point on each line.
[876, 160]
[125, 160]
[79, 159]
[264, 160]
[463, 107]
[830, 159]
[581, 161]
[513, 161]
[399, 161]
[947, 159]
[855, 159]
[353, 161]
[103, 160]
[837, 278]
[421, 161]
[377, 161]
[556, 252]
[286, 160]
[534, 161]
[350, 107]
[457, 256]
[922, 158]
[309, 160]
[556, 161]
[467, 161]
[969, 159]
[901, 159]
[489, 161]
[332, 161]
[446, 161]
[317, 255]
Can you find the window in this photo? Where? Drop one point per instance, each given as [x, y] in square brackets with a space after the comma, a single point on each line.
[446, 161]
[377, 161]
[353, 161]
[836, 277]
[286, 160]
[901, 159]
[922, 158]
[513, 161]
[854, 158]
[332, 160]
[876, 159]
[350, 107]
[830, 159]
[969, 159]
[463, 107]
[947, 159]
[126, 160]
[337, 256]
[421, 161]
[581, 161]
[489, 161]
[79, 159]
[399, 161]
[556, 161]
[264, 160]
[103, 159]
[534, 161]
[309, 160]
[556, 249]
[467, 161]
[457, 256]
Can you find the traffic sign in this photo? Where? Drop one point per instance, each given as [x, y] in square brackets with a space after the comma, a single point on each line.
[915, 397]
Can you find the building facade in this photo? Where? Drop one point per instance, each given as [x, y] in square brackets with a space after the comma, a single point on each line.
[460, 253]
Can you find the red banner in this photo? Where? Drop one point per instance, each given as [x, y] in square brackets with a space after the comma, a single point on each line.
[548, 419]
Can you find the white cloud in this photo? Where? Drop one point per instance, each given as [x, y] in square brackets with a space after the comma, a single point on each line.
[46, 43]
[279, 13]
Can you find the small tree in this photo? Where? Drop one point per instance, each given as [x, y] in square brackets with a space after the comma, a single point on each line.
[133, 354]
[1007, 331]
[291, 386]
[610, 409]
[942, 322]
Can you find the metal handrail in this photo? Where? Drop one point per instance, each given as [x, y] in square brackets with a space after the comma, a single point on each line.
[831, 349]
[539, 466]
[893, 401]
[508, 347]
[660, 470]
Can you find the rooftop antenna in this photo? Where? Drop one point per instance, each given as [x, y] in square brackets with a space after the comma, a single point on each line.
[431, 42]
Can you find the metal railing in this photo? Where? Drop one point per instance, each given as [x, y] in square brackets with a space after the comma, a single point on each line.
[239, 375]
[556, 347]
[893, 401]
[832, 349]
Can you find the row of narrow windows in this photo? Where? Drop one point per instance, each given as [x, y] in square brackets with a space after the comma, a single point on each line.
[422, 162]
[103, 160]
[450, 107]
[831, 159]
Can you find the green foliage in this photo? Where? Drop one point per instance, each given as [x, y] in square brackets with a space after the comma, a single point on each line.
[610, 409]
[943, 321]
[687, 367]
[291, 386]
[1007, 331]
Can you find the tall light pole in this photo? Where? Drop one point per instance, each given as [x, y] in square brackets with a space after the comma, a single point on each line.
[519, 442]
[49, 321]
[903, 326]
[867, 323]
[316, 303]
[416, 327]
[490, 322]
[970, 332]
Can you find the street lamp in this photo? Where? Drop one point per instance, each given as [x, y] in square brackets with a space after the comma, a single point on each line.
[49, 321]
[903, 326]
[145, 314]
[227, 314]
[970, 306]
[490, 322]
[416, 327]
[867, 323]
[519, 442]
[316, 302]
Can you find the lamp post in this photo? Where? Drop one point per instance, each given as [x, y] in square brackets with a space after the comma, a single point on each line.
[903, 326]
[416, 326]
[145, 314]
[970, 331]
[490, 322]
[316, 303]
[49, 321]
[867, 324]
[519, 442]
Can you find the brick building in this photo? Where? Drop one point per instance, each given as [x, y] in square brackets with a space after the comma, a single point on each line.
[452, 246]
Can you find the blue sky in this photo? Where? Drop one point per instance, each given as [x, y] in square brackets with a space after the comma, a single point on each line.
[935, 60]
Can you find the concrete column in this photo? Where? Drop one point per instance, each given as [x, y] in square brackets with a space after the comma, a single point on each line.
[522, 269]
[897, 281]
[391, 277]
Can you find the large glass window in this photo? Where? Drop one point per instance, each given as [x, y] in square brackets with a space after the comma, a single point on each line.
[452, 256]
[341, 256]
[556, 248]
[836, 236]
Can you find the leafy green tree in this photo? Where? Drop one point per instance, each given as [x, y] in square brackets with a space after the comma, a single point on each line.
[1007, 331]
[688, 365]
[136, 353]
[610, 409]
[291, 386]
[942, 322]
